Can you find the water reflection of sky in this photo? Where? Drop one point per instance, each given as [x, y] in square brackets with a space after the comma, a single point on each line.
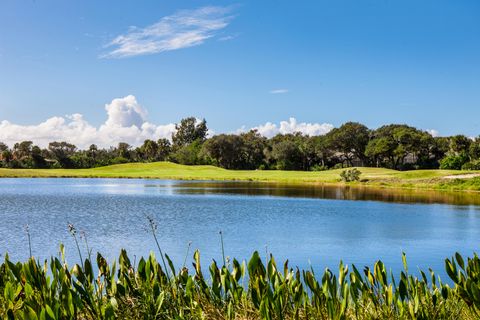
[302, 223]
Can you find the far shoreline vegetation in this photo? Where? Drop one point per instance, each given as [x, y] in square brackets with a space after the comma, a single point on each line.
[393, 155]
[443, 180]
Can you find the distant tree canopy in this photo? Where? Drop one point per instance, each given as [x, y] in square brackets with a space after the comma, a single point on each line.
[396, 146]
[350, 140]
[189, 131]
[62, 152]
[391, 145]
[230, 151]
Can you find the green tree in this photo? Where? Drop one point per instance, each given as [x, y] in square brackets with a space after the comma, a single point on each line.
[81, 159]
[164, 148]
[92, 152]
[188, 154]
[61, 152]
[226, 150]
[124, 150]
[459, 144]
[458, 153]
[350, 140]
[453, 161]
[474, 149]
[440, 149]
[381, 148]
[323, 150]
[22, 150]
[390, 146]
[6, 157]
[309, 149]
[286, 153]
[3, 147]
[38, 159]
[188, 131]
[149, 150]
[253, 148]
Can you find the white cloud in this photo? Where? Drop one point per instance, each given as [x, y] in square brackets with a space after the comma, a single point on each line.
[126, 122]
[433, 132]
[125, 112]
[278, 91]
[270, 129]
[186, 28]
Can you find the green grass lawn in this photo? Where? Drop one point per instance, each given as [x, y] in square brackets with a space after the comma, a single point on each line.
[429, 179]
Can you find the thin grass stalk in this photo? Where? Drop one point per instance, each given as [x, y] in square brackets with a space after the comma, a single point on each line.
[153, 228]
[83, 235]
[223, 249]
[73, 232]
[186, 254]
[27, 230]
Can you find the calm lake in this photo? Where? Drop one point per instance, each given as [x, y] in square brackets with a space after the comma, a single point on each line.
[307, 224]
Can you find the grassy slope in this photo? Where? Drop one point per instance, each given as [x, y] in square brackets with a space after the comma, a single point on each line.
[430, 179]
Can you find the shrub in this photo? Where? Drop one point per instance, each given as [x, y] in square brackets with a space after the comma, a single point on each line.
[188, 154]
[119, 160]
[472, 165]
[350, 175]
[319, 167]
[453, 162]
[339, 166]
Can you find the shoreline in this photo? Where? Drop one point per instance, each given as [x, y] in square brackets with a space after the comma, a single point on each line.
[374, 178]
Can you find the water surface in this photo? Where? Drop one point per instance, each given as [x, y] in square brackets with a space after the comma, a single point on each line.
[315, 225]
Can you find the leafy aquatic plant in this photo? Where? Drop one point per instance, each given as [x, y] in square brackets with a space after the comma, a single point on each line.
[234, 290]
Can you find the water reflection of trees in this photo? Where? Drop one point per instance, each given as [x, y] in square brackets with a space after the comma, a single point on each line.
[328, 192]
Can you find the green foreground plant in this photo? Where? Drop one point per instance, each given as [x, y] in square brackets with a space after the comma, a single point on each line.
[350, 175]
[234, 290]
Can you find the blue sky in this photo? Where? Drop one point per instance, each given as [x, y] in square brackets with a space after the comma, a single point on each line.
[244, 63]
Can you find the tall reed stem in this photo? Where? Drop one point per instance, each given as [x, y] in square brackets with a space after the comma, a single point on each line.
[153, 227]
[186, 255]
[83, 235]
[223, 249]
[27, 230]
[73, 232]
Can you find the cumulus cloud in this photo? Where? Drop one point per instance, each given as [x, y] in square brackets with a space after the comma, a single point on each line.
[126, 122]
[278, 91]
[267, 130]
[125, 112]
[433, 132]
[270, 129]
[186, 28]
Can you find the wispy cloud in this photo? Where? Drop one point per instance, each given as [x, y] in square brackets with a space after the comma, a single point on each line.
[185, 28]
[278, 91]
[228, 37]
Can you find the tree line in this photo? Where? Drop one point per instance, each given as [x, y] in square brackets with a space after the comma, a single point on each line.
[395, 146]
